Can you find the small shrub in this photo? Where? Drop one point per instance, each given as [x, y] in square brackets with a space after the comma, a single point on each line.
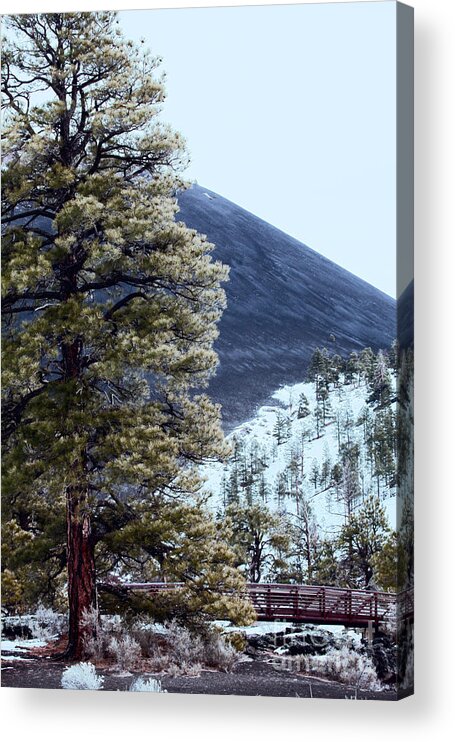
[160, 659]
[175, 670]
[50, 620]
[185, 649]
[95, 639]
[46, 624]
[81, 677]
[148, 686]
[126, 652]
[345, 666]
[146, 637]
[109, 639]
[220, 653]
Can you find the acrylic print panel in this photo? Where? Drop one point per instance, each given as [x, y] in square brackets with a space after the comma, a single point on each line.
[208, 351]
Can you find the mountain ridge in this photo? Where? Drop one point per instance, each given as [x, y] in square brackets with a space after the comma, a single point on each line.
[214, 195]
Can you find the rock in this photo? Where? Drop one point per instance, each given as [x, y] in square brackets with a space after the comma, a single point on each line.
[298, 648]
[293, 641]
[384, 656]
[16, 630]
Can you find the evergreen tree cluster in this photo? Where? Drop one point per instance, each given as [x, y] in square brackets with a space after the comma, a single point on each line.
[355, 473]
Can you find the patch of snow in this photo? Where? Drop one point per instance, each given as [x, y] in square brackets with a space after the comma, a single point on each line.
[258, 629]
[21, 645]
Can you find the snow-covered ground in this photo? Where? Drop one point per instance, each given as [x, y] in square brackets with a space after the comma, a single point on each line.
[347, 402]
[10, 648]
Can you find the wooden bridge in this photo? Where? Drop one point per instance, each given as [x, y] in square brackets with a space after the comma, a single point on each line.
[314, 604]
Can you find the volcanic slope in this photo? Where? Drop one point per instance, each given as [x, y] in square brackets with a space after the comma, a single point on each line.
[283, 300]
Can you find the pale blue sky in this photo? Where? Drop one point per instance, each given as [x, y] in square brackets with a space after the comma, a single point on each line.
[289, 111]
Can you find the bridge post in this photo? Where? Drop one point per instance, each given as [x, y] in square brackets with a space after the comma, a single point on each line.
[369, 632]
[268, 604]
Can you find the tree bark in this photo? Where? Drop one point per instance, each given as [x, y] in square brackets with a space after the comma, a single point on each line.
[80, 542]
[81, 572]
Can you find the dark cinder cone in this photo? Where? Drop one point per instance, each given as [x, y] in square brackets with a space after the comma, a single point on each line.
[284, 299]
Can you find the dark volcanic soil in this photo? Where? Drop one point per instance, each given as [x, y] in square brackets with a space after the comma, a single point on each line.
[254, 678]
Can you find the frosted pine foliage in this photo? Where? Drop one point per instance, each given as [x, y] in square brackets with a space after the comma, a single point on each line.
[81, 677]
[148, 686]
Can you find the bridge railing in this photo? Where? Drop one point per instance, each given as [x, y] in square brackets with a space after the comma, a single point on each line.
[319, 603]
[312, 603]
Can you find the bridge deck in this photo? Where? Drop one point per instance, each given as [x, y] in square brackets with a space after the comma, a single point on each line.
[315, 604]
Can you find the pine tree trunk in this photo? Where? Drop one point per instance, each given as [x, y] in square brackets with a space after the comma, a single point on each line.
[80, 542]
[81, 571]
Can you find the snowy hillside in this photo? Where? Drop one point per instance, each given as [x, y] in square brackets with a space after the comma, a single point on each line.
[279, 458]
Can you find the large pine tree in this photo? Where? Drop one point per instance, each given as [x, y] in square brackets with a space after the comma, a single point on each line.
[110, 305]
